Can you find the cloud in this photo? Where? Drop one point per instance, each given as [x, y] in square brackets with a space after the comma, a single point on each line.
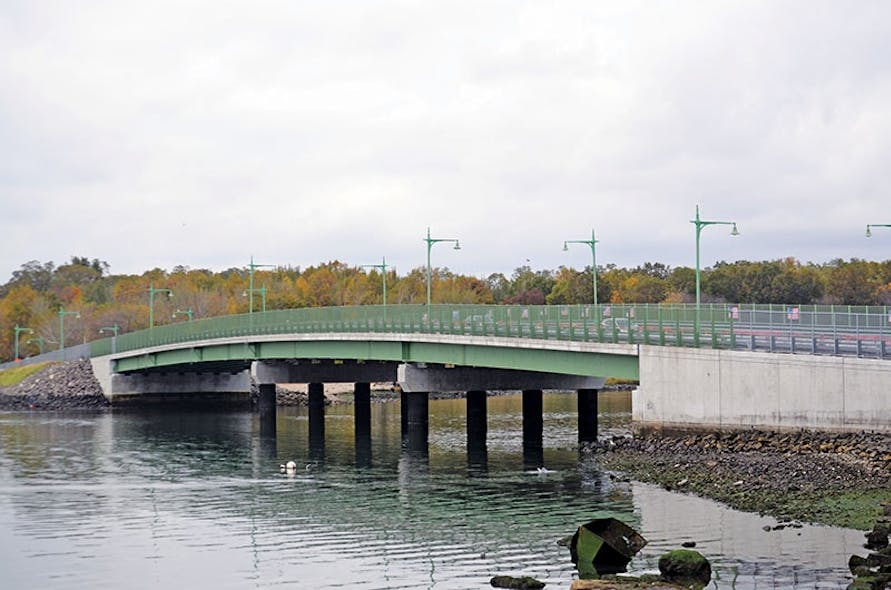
[198, 133]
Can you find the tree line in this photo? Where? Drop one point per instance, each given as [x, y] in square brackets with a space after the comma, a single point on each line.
[32, 297]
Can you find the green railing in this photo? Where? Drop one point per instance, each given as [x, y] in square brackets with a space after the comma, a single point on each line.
[863, 331]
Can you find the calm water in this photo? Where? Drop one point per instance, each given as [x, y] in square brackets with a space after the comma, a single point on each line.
[196, 500]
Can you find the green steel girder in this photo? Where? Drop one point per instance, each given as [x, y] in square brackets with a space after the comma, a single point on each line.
[594, 364]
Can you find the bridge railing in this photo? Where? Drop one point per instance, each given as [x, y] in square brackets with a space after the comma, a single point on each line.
[860, 331]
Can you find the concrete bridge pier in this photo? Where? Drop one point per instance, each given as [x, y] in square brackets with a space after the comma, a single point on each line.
[477, 429]
[533, 427]
[587, 405]
[362, 423]
[316, 403]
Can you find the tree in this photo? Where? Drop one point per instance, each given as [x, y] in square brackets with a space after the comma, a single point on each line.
[853, 283]
[35, 275]
[571, 287]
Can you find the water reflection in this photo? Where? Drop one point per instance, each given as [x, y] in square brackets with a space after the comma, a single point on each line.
[195, 499]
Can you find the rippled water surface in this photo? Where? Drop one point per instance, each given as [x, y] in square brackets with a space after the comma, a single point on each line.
[196, 500]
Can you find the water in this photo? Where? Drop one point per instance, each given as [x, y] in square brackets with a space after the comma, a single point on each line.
[196, 500]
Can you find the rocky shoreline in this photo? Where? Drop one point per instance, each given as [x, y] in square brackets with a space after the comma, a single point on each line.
[838, 479]
[59, 386]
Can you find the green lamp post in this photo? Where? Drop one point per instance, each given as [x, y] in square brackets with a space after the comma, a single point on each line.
[152, 291]
[18, 331]
[430, 241]
[114, 335]
[701, 223]
[383, 268]
[593, 244]
[252, 266]
[62, 314]
[261, 291]
[872, 225]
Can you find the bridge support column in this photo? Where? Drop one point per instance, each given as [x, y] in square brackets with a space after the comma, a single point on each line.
[316, 404]
[266, 409]
[533, 426]
[362, 427]
[587, 404]
[477, 429]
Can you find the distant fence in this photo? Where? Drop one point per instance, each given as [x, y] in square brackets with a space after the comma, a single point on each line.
[70, 353]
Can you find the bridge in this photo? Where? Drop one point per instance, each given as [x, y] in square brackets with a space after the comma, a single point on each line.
[725, 365]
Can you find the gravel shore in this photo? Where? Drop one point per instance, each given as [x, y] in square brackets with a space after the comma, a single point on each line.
[829, 478]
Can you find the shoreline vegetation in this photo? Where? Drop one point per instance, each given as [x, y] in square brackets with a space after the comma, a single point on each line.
[839, 479]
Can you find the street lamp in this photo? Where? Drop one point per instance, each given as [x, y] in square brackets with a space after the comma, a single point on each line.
[17, 332]
[700, 223]
[151, 292]
[251, 289]
[261, 291]
[872, 225]
[38, 340]
[114, 338]
[592, 242]
[62, 314]
[383, 267]
[430, 241]
[113, 329]
[187, 312]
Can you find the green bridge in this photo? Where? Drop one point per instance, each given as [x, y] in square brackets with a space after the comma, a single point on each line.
[555, 338]
[696, 365]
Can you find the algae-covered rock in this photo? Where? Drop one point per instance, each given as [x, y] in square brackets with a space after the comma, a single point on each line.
[604, 546]
[685, 567]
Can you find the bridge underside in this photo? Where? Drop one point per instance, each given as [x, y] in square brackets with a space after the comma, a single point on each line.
[467, 353]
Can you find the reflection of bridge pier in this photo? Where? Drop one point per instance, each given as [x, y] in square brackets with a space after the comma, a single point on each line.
[477, 430]
[416, 425]
[362, 426]
[533, 428]
[316, 412]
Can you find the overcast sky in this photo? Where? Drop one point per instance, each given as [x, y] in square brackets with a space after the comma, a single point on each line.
[197, 133]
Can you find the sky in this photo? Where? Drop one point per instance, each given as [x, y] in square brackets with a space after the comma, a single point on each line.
[201, 133]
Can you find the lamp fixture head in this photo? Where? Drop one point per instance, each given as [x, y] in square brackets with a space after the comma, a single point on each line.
[734, 231]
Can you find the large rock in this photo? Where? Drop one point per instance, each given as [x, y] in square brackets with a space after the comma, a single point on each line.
[604, 546]
[524, 583]
[685, 567]
[877, 538]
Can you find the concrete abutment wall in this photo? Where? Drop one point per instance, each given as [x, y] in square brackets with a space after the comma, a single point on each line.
[684, 387]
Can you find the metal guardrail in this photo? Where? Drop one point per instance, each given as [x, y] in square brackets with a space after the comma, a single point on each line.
[834, 330]
[815, 329]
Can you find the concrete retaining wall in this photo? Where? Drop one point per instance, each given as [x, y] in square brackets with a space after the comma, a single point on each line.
[695, 387]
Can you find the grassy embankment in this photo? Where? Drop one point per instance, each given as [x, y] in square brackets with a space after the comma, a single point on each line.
[15, 375]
